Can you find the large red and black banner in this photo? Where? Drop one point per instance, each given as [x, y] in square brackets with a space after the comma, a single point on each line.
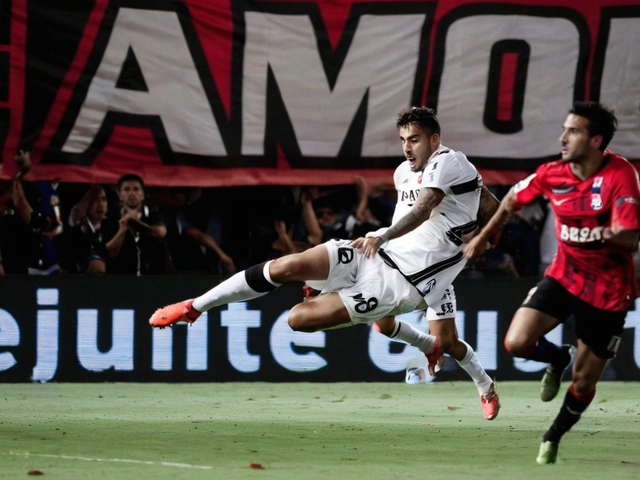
[245, 92]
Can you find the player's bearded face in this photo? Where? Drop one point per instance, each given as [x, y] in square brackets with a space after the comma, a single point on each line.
[417, 145]
[575, 139]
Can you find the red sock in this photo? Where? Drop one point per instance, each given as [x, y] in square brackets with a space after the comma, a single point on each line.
[584, 399]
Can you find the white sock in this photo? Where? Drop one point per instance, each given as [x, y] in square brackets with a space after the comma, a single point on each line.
[235, 289]
[413, 336]
[471, 365]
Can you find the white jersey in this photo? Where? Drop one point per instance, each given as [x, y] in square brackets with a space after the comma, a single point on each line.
[435, 246]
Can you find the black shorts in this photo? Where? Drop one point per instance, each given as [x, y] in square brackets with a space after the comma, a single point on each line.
[599, 329]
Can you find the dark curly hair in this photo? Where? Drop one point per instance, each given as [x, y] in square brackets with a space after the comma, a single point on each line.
[130, 177]
[423, 116]
[602, 120]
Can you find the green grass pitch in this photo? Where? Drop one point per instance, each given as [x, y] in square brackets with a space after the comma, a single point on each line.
[307, 431]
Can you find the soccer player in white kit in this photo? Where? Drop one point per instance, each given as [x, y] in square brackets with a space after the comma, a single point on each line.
[433, 174]
[361, 287]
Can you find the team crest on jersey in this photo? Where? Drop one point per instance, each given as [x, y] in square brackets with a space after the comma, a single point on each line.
[596, 199]
[420, 179]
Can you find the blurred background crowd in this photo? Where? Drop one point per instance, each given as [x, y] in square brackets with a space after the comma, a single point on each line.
[64, 228]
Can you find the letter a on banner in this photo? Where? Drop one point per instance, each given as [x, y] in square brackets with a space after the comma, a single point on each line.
[151, 46]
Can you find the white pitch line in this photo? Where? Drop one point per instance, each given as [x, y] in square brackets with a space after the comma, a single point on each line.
[114, 460]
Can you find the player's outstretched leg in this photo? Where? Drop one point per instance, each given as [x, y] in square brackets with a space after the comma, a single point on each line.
[175, 313]
[554, 373]
[428, 344]
[251, 283]
[489, 399]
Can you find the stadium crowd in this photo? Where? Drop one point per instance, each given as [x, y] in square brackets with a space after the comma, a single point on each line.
[63, 228]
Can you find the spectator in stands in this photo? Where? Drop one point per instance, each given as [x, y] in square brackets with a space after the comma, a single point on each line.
[136, 244]
[45, 260]
[86, 250]
[326, 220]
[363, 219]
[190, 220]
[341, 212]
[285, 243]
[30, 217]
[14, 233]
[255, 237]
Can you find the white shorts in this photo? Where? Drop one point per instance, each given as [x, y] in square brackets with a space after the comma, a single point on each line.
[369, 288]
[446, 307]
[443, 268]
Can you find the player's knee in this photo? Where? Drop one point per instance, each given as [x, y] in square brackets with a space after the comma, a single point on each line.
[446, 343]
[517, 348]
[298, 321]
[508, 346]
[447, 338]
[384, 326]
[285, 269]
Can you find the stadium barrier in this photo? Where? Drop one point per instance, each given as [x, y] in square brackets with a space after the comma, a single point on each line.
[82, 329]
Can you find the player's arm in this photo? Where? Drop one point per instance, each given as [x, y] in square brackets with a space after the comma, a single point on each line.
[428, 199]
[23, 208]
[625, 213]
[114, 244]
[488, 206]
[309, 218]
[156, 230]
[491, 231]
[80, 209]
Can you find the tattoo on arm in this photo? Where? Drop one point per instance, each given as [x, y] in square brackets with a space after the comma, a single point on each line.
[501, 217]
[428, 199]
[488, 206]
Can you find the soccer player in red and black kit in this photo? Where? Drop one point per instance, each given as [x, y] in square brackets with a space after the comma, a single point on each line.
[595, 196]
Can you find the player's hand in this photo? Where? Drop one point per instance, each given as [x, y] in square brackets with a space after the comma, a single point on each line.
[123, 222]
[357, 243]
[610, 232]
[280, 227]
[476, 247]
[370, 246]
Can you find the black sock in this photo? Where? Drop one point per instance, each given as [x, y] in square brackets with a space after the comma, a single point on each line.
[572, 408]
[257, 277]
[547, 352]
